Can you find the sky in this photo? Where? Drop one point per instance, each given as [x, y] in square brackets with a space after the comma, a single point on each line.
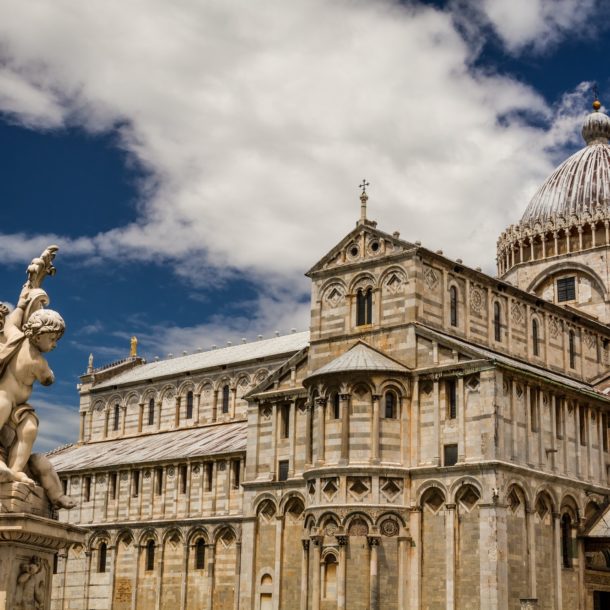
[194, 159]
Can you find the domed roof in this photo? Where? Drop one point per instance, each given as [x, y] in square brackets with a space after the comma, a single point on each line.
[582, 182]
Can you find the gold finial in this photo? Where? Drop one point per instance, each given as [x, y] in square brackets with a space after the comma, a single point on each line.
[133, 352]
[596, 103]
[363, 199]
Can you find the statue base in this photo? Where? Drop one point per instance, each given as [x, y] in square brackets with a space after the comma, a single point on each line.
[28, 544]
[21, 498]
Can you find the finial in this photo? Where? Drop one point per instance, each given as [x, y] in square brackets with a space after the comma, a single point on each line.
[90, 364]
[133, 351]
[596, 103]
[363, 199]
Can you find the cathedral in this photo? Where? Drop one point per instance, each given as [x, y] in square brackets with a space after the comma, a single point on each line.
[437, 440]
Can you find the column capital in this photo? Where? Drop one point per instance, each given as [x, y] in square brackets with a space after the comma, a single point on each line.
[373, 540]
[342, 539]
[305, 543]
[344, 396]
[376, 396]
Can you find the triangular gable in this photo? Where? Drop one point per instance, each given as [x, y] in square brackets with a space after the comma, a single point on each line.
[298, 360]
[600, 528]
[364, 233]
[361, 357]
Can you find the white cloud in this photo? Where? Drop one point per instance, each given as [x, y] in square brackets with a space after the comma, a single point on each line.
[58, 421]
[536, 24]
[256, 121]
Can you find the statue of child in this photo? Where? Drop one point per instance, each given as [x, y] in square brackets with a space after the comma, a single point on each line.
[21, 364]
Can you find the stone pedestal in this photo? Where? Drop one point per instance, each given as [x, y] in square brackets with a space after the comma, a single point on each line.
[28, 543]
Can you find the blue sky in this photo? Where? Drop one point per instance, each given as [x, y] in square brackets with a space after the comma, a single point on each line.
[193, 160]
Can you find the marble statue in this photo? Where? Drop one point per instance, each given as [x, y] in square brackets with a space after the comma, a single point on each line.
[28, 332]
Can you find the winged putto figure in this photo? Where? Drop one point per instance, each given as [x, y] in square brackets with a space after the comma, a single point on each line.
[26, 334]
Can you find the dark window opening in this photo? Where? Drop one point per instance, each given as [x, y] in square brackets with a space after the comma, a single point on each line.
[566, 289]
[535, 339]
[572, 349]
[209, 474]
[183, 478]
[151, 411]
[450, 455]
[236, 467]
[64, 486]
[200, 554]
[87, 488]
[285, 421]
[451, 399]
[390, 405]
[159, 481]
[582, 423]
[150, 555]
[364, 307]
[117, 415]
[113, 481]
[225, 399]
[101, 558]
[558, 419]
[605, 432]
[282, 470]
[534, 410]
[497, 322]
[135, 492]
[453, 306]
[566, 543]
[55, 563]
[336, 406]
[189, 405]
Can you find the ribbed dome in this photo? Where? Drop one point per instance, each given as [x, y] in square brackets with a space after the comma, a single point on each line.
[582, 182]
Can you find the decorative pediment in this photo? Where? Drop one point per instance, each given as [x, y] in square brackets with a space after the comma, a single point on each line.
[365, 242]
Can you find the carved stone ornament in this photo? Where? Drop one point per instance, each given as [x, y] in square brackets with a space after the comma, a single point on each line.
[431, 278]
[389, 528]
[590, 340]
[27, 333]
[330, 528]
[31, 586]
[394, 283]
[553, 328]
[196, 470]
[334, 295]
[124, 476]
[476, 300]
[170, 471]
[517, 312]
[147, 474]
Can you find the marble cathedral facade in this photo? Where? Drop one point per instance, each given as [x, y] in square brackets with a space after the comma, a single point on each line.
[438, 440]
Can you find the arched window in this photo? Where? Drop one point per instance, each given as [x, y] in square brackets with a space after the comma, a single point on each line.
[451, 390]
[390, 405]
[453, 306]
[535, 338]
[151, 411]
[200, 554]
[336, 406]
[189, 405]
[225, 399]
[101, 557]
[364, 307]
[330, 577]
[566, 540]
[117, 415]
[497, 322]
[150, 555]
[572, 349]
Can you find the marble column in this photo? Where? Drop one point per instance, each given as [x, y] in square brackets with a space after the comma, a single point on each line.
[315, 588]
[304, 574]
[450, 556]
[373, 542]
[342, 540]
[375, 429]
[344, 405]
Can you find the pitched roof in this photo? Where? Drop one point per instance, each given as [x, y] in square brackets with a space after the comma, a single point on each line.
[600, 528]
[481, 352]
[361, 357]
[176, 445]
[287, 344]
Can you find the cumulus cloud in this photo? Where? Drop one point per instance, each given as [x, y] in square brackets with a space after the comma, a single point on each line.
[537, 24]
[255, 122]
[59, 421]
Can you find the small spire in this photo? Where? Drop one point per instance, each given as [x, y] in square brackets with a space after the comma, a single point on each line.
[133, 349]
[363, 199]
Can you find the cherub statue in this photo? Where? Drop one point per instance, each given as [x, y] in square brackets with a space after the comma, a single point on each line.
[31, 585]
[29, 332]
